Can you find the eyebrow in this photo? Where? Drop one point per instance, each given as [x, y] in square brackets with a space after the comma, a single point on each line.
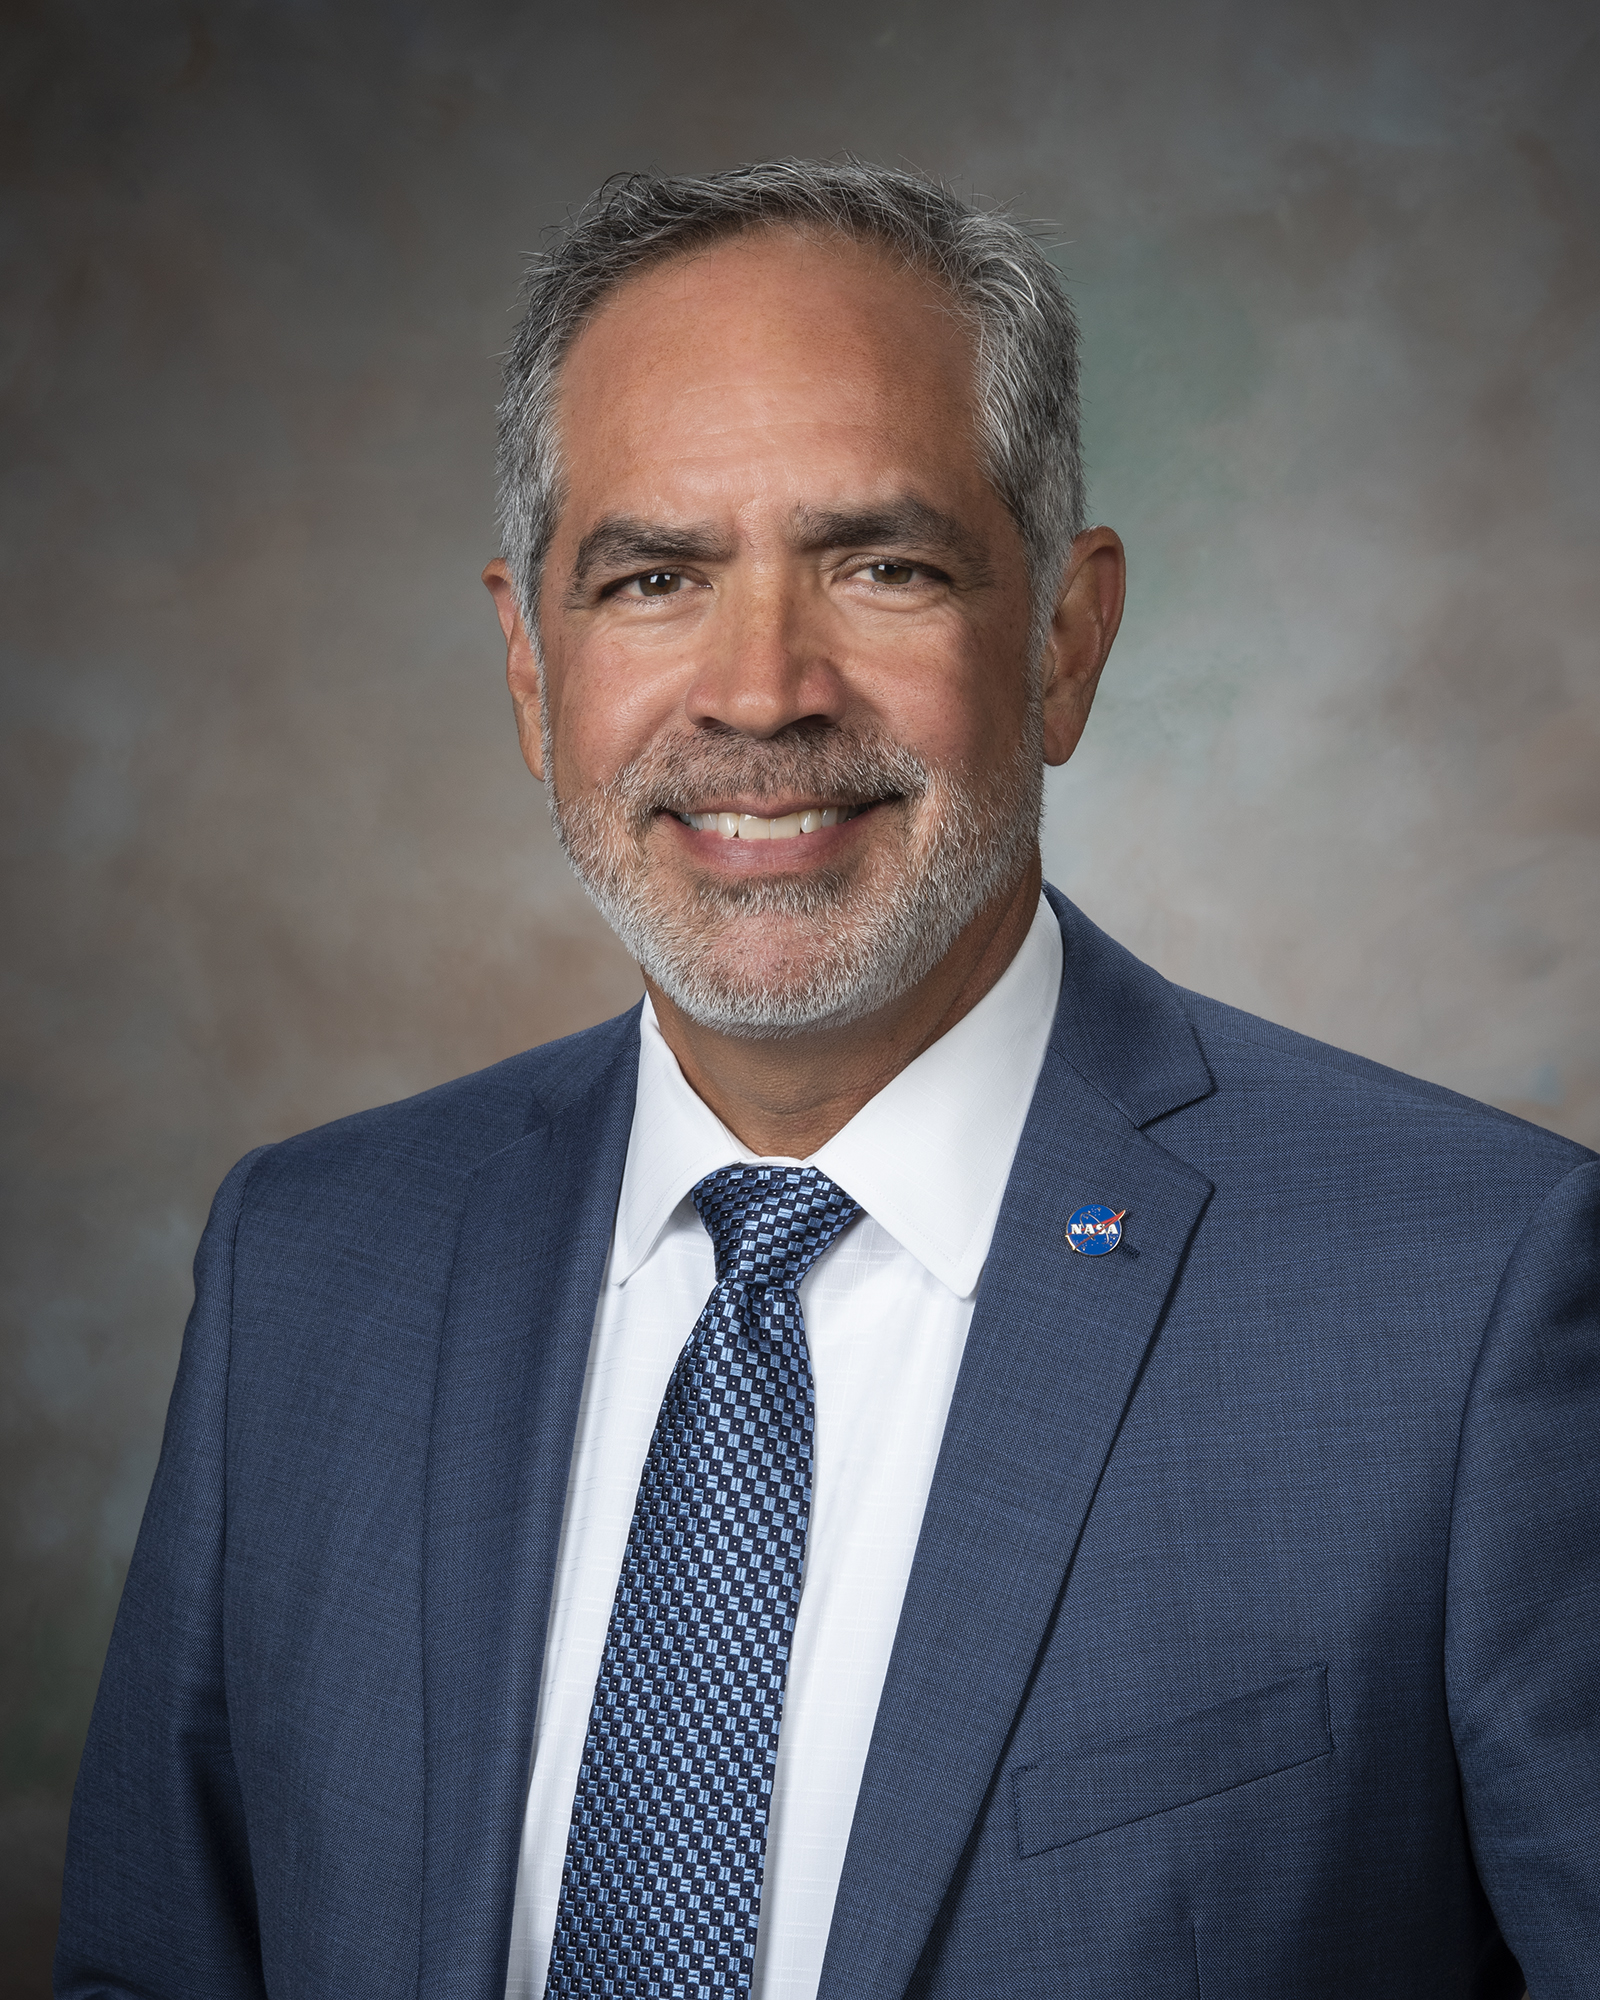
[624, 541]
[907, 523]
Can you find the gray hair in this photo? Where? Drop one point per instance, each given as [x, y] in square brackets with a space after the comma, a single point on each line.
[1000, 280]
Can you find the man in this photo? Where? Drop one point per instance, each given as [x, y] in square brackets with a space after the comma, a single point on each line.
[926, 1461]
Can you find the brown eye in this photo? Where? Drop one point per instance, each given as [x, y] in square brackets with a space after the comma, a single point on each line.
[659, 583]
[892, 573]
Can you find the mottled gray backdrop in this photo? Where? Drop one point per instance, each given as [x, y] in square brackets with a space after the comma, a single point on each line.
[271, 853]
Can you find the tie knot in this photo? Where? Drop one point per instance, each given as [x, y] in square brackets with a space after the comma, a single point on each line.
[769, 1225]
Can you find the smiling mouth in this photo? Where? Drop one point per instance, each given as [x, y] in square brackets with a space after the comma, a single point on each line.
[788, 826]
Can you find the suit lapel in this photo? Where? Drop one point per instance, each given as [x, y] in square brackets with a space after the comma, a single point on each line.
[1055, 1349]
[529, 1265]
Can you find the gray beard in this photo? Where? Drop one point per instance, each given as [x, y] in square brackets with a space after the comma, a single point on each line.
[852, 941]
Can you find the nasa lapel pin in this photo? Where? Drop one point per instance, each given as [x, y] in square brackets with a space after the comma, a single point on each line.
[1095, 1230]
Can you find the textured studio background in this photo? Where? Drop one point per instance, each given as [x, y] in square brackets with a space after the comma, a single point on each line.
[270, 852]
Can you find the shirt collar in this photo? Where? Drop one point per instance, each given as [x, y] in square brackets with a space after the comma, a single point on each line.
[928, 1158]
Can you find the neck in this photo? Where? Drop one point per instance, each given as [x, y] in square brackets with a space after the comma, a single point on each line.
[790, 1096]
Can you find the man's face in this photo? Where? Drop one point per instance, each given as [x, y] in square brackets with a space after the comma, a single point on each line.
[790, 722]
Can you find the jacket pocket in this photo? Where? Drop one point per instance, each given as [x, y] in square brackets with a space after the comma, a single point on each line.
[1089, 1789]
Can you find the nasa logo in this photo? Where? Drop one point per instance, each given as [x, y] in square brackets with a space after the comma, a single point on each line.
[1095, 1230]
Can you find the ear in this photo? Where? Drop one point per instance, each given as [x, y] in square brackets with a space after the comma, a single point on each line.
[522, 665]
[1088, 612]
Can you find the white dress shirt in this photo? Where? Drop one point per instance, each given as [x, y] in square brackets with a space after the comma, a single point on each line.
[886, 1309]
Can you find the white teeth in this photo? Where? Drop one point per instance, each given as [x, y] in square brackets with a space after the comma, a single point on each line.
[746, 826]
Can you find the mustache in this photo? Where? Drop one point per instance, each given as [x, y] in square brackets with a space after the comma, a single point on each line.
[855, 766]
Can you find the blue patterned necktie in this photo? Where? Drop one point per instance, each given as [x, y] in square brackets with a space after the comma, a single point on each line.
[661, 1891]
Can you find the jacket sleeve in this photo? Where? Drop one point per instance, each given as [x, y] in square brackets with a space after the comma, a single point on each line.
[1523, 1607]
[157, 1901]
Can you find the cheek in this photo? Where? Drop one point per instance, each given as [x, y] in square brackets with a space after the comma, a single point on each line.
[964, 709]
[606, 706]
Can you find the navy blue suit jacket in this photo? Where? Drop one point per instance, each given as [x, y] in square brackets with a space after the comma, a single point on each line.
[1250, 1647]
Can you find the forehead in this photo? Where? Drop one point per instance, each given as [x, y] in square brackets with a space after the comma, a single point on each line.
[766, 348]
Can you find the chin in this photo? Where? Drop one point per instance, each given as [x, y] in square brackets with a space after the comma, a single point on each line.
[762, 976]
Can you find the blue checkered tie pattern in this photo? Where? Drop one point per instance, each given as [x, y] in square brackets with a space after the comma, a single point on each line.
[661, 1891]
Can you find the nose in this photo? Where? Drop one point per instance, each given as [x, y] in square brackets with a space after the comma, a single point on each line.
[764, 663]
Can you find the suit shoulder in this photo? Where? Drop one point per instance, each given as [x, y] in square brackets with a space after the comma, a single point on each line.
[1251, 1056]
[451, 1129]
